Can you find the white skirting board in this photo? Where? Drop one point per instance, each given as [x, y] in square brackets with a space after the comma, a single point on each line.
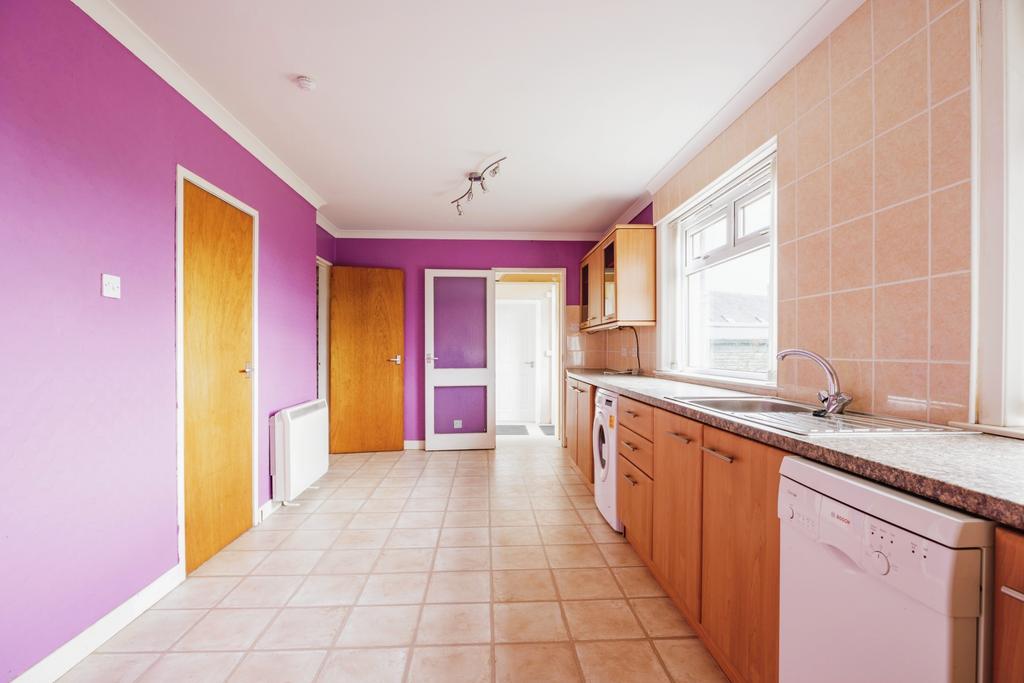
[61, 660]
[415, 445]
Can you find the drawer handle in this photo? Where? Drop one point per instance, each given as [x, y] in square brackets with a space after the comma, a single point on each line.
[631, 413]
[630, 479]
[685, 439]
[721, 456]
[631, 447]
[1015, 594]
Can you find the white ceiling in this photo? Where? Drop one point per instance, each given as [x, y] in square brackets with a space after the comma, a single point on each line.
[589, 99]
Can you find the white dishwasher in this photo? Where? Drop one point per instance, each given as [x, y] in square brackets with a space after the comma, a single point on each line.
[877, 585]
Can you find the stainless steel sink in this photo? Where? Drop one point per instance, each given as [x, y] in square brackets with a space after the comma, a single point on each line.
[800, 418]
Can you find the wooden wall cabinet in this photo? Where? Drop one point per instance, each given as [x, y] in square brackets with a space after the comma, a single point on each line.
[579, 422]
[634, 494]
[617, 279]
[1008, 621]
[740, 552]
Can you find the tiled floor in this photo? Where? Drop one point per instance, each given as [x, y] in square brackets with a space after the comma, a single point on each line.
[441, 567]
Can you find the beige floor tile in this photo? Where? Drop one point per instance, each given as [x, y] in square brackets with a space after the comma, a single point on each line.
[231, 563]
[590, 517]
[511, 503]
[152, 631]
[464, 504]
[335, 505]
[603, 533]
[404, 560]
[348, 561]
[293, 667]
[198, 593]
[383, 505]
[288, 562]
[637, 582]
[426, 505]
[420, 520]
[465, 518]
[462, 559]
[100, 668]
[309, 540]
[562, 535]
[515, 535]
[552, 517]
[551, 503]
[467, 664]
[394, 589]
[284, 522]
[620, 555]
[303, 628]
[513, 518]
[459, 587]
[194, 667]
[365, 666]
[661, 618]
[688, 661]
[262, 591]
[449, 624]
[335, 521]
[361, 539]
[585, 584]
[455, 537]
[519, 557]
[523, 585]
[601, 620]
[258, 540]
[536, 663]
[329, 591]
[373, 520]
[226, 629]
[380, 626]
[574, 556]
[525, 622]
[413, 538]
[616, 662]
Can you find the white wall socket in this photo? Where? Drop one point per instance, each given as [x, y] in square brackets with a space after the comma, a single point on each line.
[458, 424]
[111, 286]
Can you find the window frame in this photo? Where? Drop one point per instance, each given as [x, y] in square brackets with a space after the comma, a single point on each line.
[743, 184]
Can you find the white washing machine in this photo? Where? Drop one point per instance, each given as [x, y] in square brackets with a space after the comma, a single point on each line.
[606, 405]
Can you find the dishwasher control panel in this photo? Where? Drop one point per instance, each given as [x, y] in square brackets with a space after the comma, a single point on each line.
[898, 558]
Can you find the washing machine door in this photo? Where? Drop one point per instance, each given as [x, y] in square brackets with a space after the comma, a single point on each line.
[601, 446]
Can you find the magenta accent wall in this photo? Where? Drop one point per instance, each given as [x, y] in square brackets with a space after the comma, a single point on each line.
[324, 244]
[90, 139]
[645, 217]
[414, 256]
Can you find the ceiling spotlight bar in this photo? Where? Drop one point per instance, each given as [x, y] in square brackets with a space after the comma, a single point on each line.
[492, 169]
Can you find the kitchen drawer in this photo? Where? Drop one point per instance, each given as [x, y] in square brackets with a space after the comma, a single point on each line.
[637, 450]
[637, 417]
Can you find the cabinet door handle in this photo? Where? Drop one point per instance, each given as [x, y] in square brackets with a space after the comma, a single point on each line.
[631, 447]
[721, 456]
[630, 479]
[1015, 594]
[631, 413]
[685, 439]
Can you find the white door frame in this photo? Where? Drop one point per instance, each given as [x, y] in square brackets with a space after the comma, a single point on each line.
[323, 325]
[559, 323]
[184, 174]
[434, 377]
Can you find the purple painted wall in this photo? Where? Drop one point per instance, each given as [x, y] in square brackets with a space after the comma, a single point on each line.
[324, 244]
[645, 217]
[414, 256]
[90, 138]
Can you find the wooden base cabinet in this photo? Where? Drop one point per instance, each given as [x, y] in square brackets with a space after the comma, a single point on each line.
[579, 423]
[1008, 623]
[635, 498]
[740, 553]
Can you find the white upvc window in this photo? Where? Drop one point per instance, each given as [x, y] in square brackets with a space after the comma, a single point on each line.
[717, 260]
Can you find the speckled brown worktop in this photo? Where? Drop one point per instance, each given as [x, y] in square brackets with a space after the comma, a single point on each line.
[979, 473]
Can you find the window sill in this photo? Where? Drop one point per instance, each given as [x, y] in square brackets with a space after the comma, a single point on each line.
[749, 386]
[1010, 432]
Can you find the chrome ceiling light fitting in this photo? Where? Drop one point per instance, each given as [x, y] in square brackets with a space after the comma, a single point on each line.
[491, 170]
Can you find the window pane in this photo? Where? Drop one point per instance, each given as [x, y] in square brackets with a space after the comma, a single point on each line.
[755, 216]
[729, 315]
[708, 239]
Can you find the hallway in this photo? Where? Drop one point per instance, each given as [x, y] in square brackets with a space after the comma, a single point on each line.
[427, 567]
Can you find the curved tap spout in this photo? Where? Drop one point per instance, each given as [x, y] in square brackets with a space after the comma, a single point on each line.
[834, 400]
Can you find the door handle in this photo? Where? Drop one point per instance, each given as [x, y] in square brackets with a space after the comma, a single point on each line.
[685, 439]
[1015, 594]
[247, 370]
[721, 456]
[431, 357]
[630, 479]
[397, 360]
[631, 413]
[631, 447]
[530, 363]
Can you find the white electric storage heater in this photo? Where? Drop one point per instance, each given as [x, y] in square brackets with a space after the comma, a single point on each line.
[298, 436]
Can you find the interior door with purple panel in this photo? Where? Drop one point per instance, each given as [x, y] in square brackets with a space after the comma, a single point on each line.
[459, 368]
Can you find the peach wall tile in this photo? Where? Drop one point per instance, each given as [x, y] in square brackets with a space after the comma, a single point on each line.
[756, 125]
[851, 115]
[812, 264]
[812, 134]
[787, 324]
[852, 254]
[812, 199]
[852, 322]
[901, 83]
[951, 229]
[951, 141]
[894, 21]
[810, 379]
[857, 379]
[812, 78]
[787, 270]
[785, 155]
[851, 47]
[950, 53]
[937, 7]
[901, 242]
[812, 324]
[852, 184]
[948, 385]
[782, 102]
[901, 163]
[901, 321]
[786, 208]
[951, 318]
[901, 389]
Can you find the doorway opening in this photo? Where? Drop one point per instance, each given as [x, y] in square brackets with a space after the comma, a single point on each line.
[529, 340]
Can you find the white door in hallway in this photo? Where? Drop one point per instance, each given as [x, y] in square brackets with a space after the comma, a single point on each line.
[517, 358]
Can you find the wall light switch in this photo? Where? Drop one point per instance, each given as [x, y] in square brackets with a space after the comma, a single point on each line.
[458, 424]
[111, 286]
